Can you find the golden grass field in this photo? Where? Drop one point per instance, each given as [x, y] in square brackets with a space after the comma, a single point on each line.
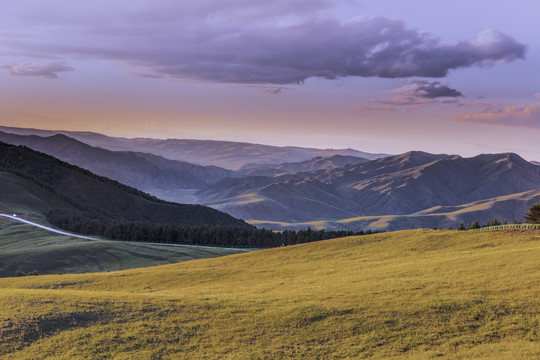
[417, 294]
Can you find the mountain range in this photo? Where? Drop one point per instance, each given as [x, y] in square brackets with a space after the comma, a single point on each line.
[333, 190]
[226, 154]
[144, 171]
[405, 184]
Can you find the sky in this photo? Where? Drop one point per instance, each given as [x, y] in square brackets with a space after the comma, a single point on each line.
[382, 76]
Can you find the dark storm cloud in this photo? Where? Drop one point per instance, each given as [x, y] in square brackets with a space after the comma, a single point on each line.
[426, 89]
[366, 48]
[45, 70]
[416, 94]
[241, 41]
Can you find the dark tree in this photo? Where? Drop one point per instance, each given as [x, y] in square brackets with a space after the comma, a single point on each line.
[475, 225]
[533, 216]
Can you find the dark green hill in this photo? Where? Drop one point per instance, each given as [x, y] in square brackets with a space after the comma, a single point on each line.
[25, 249]
[48, 180]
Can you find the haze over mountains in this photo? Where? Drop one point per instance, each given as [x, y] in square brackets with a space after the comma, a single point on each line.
[144, 171]
[227, 154]
[336, 190]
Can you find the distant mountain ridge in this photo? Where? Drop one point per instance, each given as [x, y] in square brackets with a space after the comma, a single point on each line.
[414, 189]
[141, 170]
[226, 154]
[397, 185]
[316, 163]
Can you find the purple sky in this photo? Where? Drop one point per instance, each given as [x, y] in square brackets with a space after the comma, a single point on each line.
[381, 76]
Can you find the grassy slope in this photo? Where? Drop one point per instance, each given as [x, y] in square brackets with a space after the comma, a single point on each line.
[20, 195]
[26, 248]
[410, 294]
[48, 178]
[508, 207]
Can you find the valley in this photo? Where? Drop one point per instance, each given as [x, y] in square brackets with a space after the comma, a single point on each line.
[331, 189]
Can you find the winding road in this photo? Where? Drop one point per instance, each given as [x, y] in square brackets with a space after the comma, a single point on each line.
[17, 218]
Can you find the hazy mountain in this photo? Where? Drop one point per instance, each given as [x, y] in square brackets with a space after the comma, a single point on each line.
[316, 163]
[227, 154]
[36, 182]
[401, 191]
[535, 162]
[397, 185]
[141, 170]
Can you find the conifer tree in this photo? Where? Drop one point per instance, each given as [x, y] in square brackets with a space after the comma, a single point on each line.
[533, 216]
[475, 225]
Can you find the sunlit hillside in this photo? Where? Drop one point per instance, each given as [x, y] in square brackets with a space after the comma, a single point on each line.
[410, 294]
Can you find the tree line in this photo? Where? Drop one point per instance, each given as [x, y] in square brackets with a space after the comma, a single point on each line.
[532, 217]
[89, 224]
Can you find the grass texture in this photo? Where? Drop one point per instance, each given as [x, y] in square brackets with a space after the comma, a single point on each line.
[27, 249]
[418, 294]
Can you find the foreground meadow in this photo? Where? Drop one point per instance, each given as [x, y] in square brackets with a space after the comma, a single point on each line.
[408, 294]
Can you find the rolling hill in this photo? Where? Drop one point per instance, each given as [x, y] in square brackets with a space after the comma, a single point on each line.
[37, 183]
[25, 249]
[226, 154]
[403, 185]
[408, 295]
[426, 182]
[508, 207]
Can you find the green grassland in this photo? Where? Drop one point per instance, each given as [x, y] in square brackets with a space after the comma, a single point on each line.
[417, 294]
[20, 195]
[25, 249]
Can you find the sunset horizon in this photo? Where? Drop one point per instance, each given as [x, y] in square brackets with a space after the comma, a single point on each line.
[377, 77]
